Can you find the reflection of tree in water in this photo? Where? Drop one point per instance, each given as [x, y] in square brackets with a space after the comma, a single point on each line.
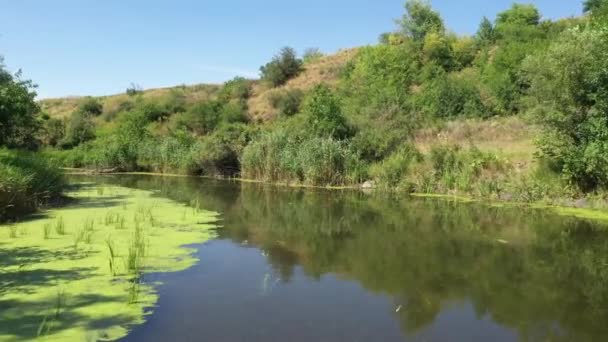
[543, 275]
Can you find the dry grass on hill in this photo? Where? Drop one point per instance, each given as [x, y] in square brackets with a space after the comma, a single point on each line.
[324, 70]
[63, 107]
[511, 137]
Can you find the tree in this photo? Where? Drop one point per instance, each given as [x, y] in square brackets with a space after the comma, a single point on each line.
[18, 111]
[485, 34]
[54, 131]
[569, 95]
[282, 68]
[593, 5]
[325, 114]
[420, 20]
[519, 15]
[80, 129]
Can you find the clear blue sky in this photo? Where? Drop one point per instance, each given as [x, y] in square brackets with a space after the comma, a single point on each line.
[87, 47]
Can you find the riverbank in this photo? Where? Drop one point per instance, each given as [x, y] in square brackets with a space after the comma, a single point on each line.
[585, 208]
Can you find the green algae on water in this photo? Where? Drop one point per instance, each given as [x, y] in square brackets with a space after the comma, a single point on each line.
[82, 280]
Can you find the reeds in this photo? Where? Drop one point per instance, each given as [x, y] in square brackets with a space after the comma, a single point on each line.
[60, 226]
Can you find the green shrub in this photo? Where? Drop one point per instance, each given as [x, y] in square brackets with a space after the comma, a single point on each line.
[324, 114]
[282, 68]
[238, 88]
[394, 170]
[90, 106]
[79, 129]
[26, 182]
[448, 96]
[569, 98]
[287, 102]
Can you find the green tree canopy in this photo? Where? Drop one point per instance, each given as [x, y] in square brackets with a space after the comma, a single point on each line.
[593, 5]
[18, 111]
[569, 87]
[520, 15]
[485, 34]
[420, 19]
[325, 114]
[282, 68]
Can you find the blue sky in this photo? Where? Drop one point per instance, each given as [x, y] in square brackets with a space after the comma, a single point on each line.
[98, 47]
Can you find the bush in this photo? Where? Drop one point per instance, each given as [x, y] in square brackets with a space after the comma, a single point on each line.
[287, 102]
[238, 88]
[79, 129]
[448, 96]
[569, 98]
[26, 182]
[379, 80]
[90, 106]
[394, 170]
[324, 114]
[282, 68]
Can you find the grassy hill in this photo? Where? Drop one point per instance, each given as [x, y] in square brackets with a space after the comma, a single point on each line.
[510, 136]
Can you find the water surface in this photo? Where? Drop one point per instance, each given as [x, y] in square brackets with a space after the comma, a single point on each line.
[312, 265]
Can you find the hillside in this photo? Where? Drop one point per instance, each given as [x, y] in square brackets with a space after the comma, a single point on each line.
[510, 136]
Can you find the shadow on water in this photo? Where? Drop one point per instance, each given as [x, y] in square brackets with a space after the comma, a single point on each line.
[543, 276]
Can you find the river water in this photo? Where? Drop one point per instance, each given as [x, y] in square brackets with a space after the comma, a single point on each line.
[316, 265]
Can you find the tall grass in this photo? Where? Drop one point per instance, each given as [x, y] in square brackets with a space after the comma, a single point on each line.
[277, 156]
[27, 181]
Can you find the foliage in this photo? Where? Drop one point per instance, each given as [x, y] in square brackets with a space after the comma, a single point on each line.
[593, 5]
[238, 88]
[452, 95]
[279, 156]
[420, 20]
[394, 169]
[287, 102]
[282, 68]
[91, 106]
[18, 111]
[379, 79]
[568, 89]
[486, 33]
[53, 131]
[26, 182]
[80, 129]
[325, 114]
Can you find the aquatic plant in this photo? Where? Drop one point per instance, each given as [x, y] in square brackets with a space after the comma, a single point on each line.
[136, 251]
[46, 231]
[120, 222]
[12, 231]
[48, 321]
[112, 256]
[100, 266]
[134, 289]
[110, 218]
[60, 226]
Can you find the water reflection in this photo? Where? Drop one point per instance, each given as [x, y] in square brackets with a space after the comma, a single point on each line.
[530, 271]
